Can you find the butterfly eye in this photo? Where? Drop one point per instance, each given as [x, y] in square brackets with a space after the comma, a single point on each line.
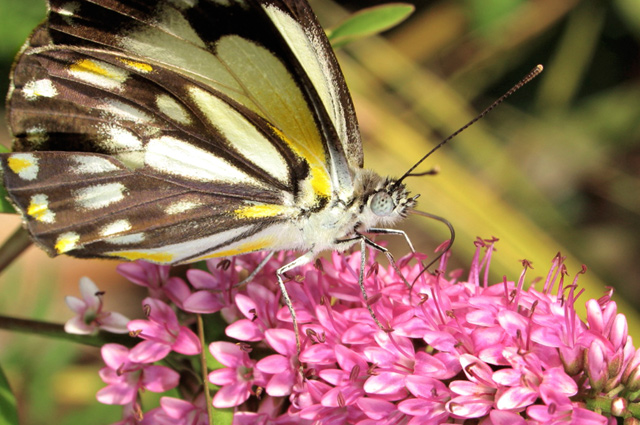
[382, 204]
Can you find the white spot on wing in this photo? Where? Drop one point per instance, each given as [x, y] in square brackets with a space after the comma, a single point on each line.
[25, 165]
[66, 242]
[184, 4]
[242, 135]
[124, 111]
[169, 155]
[68, 9]
[36, 135]
[116, 227]
[86, 164]
[39, 88]
[39, 209]
[181, 206]
[99, 196]
[126, 239]
[118, 138]
[174, 110]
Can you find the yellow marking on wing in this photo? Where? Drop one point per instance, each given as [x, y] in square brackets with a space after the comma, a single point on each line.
[142, 67]
[87, 65]
[313, 153]
[39, 209]
[155, 257]
[257, 245]
[320, 182]
[19, 164]
[260, 211]
[66, 242]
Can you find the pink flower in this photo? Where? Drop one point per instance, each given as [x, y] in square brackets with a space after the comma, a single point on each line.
[237, 379]
[125, 377]
[213, 291]
[162, 333]
[450, 350]
[89, 314]
[152, 276]
[175, 411]
[282, 367]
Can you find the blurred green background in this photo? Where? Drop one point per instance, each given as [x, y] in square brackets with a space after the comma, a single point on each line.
[556, 168]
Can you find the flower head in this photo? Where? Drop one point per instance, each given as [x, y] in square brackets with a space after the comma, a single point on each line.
[125, 377]
[90, 317]
[162, 333]
[449, 350]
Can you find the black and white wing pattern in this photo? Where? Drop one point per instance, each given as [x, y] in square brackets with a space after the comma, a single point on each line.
[176, 130]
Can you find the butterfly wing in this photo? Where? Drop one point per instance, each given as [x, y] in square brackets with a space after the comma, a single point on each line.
[171, 131]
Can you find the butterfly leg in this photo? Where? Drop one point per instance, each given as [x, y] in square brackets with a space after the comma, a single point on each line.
[382, 231]
[304, 259]
[364, 241]
[386, 252]
[255, 271]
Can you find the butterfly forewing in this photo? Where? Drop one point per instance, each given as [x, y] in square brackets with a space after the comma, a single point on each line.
[204, 128]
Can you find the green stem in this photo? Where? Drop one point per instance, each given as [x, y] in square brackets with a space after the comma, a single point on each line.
[54, 330]
[203, 367]
[13, 247]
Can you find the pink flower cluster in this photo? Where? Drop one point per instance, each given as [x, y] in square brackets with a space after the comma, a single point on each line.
[451, 349]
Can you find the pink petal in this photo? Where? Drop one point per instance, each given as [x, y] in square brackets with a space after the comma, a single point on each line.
[273, 364]
[469, 406]
[244, 330]
[187, 342]
[231, 395]
[280, 384]
[499, 417]
[160, 312]
[247, 306]
[177, 290]
[159, 378]
[224, 376]
[117, 394]
[227, 353]
[426, 387]
[200, 280]
[77, 326]
[203, 302]
[516, 398]
[114, 323]
[114, 355]
[149, 330]
[75, 304]
[88, 289]
[416, 406]
[281, 340]
[347, 359]
[319, 353]
[176, 408]
[385, 383]
[149, 352]
[376, 408]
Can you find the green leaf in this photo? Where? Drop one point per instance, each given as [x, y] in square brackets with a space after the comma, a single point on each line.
[5, 205]
[8, 410]
[223, 416]
[369, 21]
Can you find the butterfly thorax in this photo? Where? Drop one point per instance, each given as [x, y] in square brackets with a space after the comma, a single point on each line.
[375, 201]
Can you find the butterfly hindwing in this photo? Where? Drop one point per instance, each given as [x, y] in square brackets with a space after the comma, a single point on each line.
[66, 194]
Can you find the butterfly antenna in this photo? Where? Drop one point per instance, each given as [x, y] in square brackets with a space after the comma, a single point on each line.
[442, 252]
[530, 76]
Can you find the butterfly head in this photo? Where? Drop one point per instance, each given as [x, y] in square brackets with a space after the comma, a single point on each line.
[387, 201]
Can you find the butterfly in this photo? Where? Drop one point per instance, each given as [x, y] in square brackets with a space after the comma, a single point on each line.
[174, 131]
